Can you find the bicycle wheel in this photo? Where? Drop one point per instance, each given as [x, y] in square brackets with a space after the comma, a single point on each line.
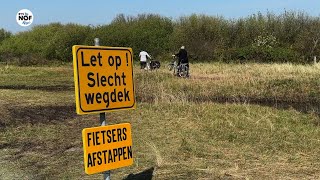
[187, 72]
[183, 71]
[157, 65]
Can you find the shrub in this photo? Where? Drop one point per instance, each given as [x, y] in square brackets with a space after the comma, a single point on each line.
[47, 42]
[4, 34]
[288, 37]
[268, 55]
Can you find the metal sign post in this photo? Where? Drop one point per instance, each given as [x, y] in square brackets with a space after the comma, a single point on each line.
[106, 174]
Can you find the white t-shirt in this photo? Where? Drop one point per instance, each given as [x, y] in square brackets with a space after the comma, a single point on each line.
[143, 56]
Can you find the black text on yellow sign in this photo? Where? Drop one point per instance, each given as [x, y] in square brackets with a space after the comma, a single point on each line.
[107, 147]
[103, 78]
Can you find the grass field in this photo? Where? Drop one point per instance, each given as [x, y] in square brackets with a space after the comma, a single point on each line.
[228, 121]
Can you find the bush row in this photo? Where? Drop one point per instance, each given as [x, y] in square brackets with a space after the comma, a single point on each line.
[288, 37]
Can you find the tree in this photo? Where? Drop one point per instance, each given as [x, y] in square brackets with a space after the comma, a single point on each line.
[4, 34]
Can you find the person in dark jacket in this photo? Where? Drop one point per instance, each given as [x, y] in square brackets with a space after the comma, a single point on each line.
[183, 58]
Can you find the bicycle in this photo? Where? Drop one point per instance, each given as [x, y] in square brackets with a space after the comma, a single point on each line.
[173, 65]
[181, 70]
[152, 65]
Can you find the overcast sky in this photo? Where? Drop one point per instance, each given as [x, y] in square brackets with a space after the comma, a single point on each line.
[102, 12]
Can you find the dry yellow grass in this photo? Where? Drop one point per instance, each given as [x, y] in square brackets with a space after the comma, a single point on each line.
[181, 129]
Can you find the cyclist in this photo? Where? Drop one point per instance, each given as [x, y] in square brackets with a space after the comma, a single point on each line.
[183, 57]
[143, 59]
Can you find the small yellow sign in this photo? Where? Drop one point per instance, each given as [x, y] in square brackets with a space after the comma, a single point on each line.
[107, 147]
[103, 78]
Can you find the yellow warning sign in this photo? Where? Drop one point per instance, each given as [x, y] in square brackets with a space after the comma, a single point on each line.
[107, 147]
[103, 78]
